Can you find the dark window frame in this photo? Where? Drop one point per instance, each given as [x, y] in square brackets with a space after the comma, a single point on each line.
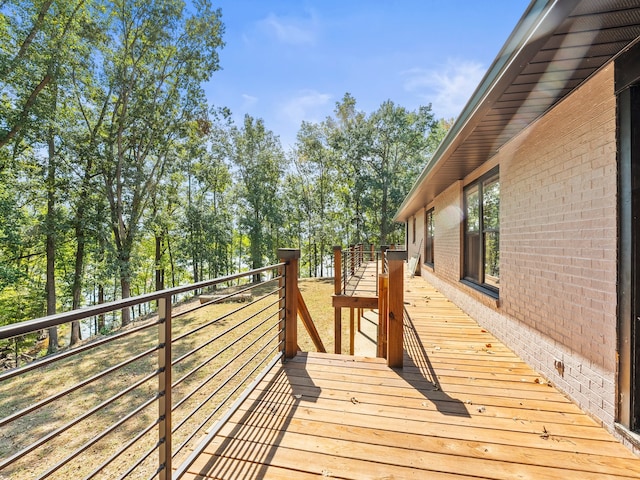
[429, 238]
[474, 261]
[627, 89]
[414, 229]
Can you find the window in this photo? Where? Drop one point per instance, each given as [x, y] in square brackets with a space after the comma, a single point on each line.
[429, 237]
[414, 229]
[628, 112]
[482, 231]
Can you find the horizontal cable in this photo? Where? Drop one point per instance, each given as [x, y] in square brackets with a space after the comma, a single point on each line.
[226, 399]
[21, 328]
[219, 387]
[226, 315]
[72, 351]
[102, 435]
[128, 445]
[75, 421]
[212, 432]
[212, 340]
[227, 296]
[213, 375]
[75, 387]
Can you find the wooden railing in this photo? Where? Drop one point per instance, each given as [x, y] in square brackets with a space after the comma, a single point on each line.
[386, 296]
[136, 402]
[352, 260]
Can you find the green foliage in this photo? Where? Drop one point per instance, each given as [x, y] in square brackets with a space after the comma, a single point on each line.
[257, 155]
[109, 149]
[354, 171]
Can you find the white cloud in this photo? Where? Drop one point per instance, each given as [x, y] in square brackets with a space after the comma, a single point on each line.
[306, 105]
[290, 30]
[448, 88]
[248, 101]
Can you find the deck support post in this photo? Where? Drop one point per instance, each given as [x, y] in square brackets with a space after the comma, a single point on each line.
[383, 314]
[352, 330]
[337, 290]
[290, 256]
[164, 388]
[396, 308]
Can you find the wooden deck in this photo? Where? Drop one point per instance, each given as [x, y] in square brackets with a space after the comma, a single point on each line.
[463, 407]
[364, 280]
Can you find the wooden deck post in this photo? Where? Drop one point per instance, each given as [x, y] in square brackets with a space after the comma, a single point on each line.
[337, 282]
[383, 313]
[352, 333]
[164, 388]
[396, 307]
[290, 256]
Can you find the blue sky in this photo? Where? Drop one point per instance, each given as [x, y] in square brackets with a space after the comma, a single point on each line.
[286, 61]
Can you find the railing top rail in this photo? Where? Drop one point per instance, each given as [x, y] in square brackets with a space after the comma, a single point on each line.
[22, 328]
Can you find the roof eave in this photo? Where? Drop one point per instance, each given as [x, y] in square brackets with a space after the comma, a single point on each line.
[537, 24]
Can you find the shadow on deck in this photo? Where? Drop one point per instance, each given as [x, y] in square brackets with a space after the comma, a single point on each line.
[463, 406]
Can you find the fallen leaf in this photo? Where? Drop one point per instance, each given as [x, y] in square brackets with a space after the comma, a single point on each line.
[488, 345]
[298, 396]
[544, 433]
[483, 331]
[537, 380]
[482, 409]
[354, 400]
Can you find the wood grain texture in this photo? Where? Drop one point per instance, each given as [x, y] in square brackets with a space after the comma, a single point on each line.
[462, 407]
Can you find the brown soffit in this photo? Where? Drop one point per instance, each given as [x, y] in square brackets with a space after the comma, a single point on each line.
[554, 48]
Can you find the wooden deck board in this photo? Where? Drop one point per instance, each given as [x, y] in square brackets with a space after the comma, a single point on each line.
[464, 406]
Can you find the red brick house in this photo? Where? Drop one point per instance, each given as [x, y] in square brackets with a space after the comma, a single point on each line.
[528, 215]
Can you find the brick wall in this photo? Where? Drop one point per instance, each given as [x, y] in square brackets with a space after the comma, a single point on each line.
[558, 247]
[447, 216]
[559, 240]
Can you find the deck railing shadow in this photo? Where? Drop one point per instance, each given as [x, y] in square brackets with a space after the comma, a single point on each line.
[248, 444]
[425, 380]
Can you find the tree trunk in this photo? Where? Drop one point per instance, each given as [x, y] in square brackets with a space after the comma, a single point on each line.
[159, 268]
[255, 257]
[125, 282]
[171, 263]
[125, 287]
[76, 288]
[51, 241]
[101, 322]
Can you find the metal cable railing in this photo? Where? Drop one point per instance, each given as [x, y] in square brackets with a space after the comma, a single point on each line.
[360, 268]
[129, 403]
